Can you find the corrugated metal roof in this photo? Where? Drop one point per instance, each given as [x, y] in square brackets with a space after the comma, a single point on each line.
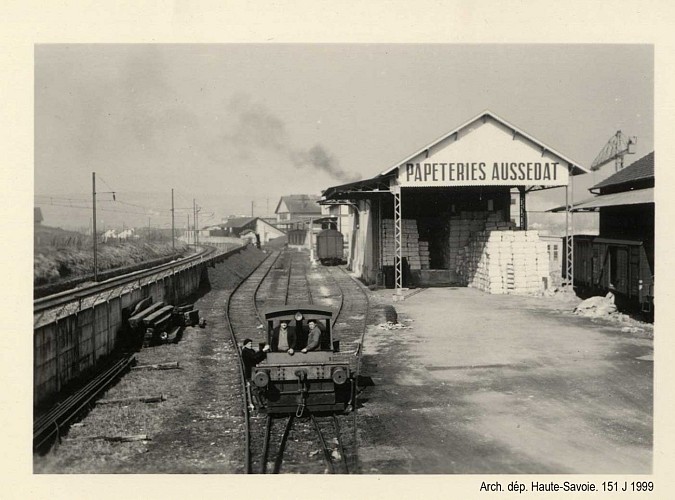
[634, 197]
[638, 170]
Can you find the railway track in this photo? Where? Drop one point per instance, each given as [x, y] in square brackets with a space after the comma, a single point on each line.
[61, 299]
[48, 427]
[50, 424]
[267, 436]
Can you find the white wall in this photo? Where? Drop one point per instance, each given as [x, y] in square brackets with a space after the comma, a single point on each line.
[266, 231]
[362, 243]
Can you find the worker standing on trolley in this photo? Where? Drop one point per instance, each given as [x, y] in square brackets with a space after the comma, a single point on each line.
[250, 358]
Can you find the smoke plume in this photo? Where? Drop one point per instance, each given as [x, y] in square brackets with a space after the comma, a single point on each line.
[259, 130]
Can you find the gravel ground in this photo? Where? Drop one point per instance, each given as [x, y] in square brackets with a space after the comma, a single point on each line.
[198, 429]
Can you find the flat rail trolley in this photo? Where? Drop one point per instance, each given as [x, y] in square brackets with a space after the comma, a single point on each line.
[322, 380]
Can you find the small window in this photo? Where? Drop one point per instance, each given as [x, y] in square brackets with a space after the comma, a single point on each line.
[555, 252]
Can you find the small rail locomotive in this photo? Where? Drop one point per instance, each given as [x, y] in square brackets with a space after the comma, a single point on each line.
[321, 380]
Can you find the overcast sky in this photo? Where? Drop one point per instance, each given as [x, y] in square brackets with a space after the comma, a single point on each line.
[228, 124]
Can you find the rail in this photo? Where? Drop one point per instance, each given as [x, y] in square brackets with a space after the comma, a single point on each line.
[77, 295]
[235, 345]
[47, 428]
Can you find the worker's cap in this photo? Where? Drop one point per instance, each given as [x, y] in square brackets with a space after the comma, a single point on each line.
[247, 341]
[283, 322]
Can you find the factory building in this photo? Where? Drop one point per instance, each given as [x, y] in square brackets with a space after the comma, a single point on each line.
[444, 215]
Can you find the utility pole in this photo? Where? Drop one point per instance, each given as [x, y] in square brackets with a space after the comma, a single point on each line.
[194, 222]
[267, 212]
[251, 208]
[197, 222]
[93, 234]
[173, 227]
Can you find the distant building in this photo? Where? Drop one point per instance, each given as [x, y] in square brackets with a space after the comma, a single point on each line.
[112, 234]
[237, 227]
[37, 215]
[295, 210]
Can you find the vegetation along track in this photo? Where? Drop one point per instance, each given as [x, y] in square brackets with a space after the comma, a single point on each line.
[63, 298]
[283, 279]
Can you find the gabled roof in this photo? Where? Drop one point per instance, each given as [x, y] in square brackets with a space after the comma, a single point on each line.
[575, 167]
[300, 204]
[237, 222]
[638, 170]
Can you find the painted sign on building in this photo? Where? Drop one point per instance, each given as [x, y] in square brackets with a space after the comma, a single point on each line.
[484, 154]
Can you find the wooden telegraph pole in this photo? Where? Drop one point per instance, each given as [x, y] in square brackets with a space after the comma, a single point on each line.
[93, 235]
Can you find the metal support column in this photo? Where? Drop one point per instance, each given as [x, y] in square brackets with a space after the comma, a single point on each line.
[398, 240]
[569, 242]
[523, 208]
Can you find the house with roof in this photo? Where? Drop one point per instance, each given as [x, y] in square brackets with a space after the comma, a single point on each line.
[294, 211]
[239, 227]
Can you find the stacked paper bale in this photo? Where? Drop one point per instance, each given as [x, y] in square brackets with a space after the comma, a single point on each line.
[424, 254]
[410, 247]
[495, 221]
[512, 262]
[460, 230]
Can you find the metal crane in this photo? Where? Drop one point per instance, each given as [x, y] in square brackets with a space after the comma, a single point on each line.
[616, 148]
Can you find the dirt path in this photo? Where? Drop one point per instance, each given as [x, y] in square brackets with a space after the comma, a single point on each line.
[501, 384]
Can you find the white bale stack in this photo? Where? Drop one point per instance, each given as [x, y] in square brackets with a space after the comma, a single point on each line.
[410, 245]
[512, 262]
[424, 254]
[460, 229]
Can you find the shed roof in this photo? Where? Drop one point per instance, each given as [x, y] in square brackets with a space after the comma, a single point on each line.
[631, 197]
[638, 170]
[237, 222]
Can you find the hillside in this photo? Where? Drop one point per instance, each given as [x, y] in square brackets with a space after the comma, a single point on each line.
[62, 255]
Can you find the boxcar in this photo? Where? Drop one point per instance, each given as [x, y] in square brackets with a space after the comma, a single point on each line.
[330, 246]
[620, 266]
[318, 381]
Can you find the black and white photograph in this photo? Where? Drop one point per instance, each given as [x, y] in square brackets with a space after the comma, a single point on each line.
[427, 262]
[350, 259]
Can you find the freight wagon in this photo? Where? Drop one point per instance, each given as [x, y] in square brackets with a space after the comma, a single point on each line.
[624, 267]
[330, 247]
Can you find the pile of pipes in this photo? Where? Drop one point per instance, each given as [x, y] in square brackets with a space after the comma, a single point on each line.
[153, 324]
